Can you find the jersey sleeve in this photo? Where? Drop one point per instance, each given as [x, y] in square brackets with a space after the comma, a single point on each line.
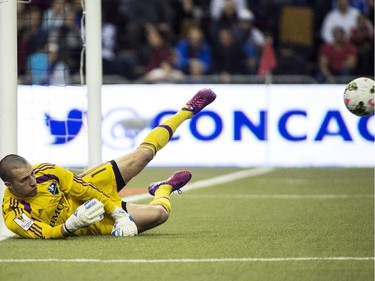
[20, 222]
[84, 191]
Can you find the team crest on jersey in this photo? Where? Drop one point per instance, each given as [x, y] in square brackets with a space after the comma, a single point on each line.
[53, 188]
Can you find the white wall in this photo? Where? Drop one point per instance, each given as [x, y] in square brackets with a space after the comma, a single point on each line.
[247, 125]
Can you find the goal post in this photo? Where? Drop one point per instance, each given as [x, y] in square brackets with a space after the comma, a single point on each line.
[94, 78]
[8, 86]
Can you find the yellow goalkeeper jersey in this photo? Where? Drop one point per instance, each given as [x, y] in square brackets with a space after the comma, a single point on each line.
[60, 192]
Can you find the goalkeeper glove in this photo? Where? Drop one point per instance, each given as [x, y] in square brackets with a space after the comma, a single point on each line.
[88, 213]
[124, 223]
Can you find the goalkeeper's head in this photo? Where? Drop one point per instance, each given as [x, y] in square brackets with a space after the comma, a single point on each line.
[18, 175]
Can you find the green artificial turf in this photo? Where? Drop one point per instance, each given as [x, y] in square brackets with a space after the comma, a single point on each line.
[289, 224]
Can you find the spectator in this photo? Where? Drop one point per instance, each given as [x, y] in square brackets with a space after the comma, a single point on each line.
[246, 32]
[290, 62]
[46, 67]
[362, 36]
[185, 14]
[362, 32]
[58, 71]
[361, 5]
[343, 16]
[69, 40]
[218, 6]
[194, 53]
[22, 16]
[37, 66]
[75, 8]
[336, 59]
[53, 18]
[228, 57]
[227, 16]
[136, 15]
[113, 63]
[250, 38]
[157, 50]
[30, 37]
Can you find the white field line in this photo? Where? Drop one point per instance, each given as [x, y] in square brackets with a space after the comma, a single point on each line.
[280, 196]
[210, 182]
[189, 260]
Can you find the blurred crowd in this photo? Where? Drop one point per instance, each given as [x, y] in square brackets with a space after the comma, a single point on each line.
[169, 40]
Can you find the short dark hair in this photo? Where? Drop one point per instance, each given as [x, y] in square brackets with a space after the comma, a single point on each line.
[8, 163]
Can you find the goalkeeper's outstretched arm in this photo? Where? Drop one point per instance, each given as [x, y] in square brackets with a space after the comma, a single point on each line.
[21, 223]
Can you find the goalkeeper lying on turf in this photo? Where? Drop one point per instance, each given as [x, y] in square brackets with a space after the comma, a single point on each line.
[47, 201]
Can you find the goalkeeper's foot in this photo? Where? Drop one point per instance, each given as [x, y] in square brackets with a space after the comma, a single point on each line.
[177, 180]
[201, 99]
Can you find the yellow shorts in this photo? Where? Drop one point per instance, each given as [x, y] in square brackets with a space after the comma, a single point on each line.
[107, 177]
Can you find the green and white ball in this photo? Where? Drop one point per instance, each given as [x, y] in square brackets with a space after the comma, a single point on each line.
[359, 96]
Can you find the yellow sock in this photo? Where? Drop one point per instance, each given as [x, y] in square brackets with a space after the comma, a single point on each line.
[162, 197]
[161, 135]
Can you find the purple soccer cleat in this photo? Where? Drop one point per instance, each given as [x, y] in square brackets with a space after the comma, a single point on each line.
[177, 180]
[201, 99]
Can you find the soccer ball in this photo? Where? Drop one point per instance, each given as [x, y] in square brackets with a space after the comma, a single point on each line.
[359, 96]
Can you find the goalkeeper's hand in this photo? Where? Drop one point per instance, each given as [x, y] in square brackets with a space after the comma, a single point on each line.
[124, 223]
[88, 213]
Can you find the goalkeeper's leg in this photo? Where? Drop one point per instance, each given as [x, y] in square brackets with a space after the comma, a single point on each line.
[147, 216]
[130, 165]
[157, 212]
